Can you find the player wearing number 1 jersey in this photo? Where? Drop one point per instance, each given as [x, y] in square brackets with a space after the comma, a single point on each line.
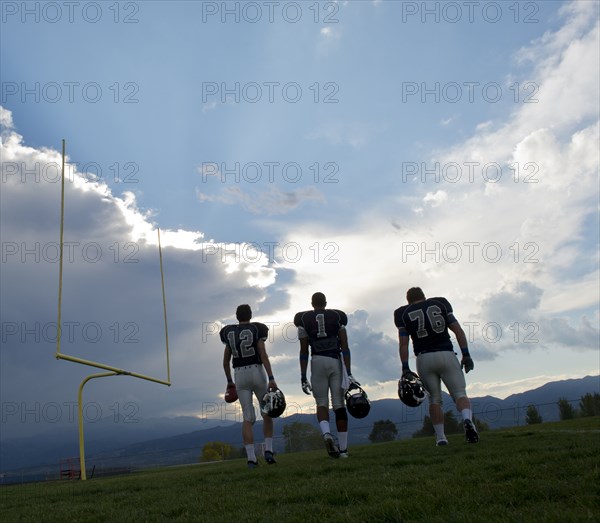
[323, 331]
[426, 322]
[245, 348]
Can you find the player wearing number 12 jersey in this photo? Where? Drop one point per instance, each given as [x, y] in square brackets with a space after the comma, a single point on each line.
[245, 349]
[426, 322]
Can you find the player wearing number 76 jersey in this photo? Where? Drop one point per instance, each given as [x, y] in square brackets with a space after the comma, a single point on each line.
[245, 348]
[427, 321]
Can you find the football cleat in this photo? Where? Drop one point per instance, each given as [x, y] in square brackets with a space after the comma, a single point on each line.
[411, 390]
[331, 445]
[269, 457]
[357, 401]
[252, 464]
[343, 454]
[470, 431]
[273, 403]
[442, 443]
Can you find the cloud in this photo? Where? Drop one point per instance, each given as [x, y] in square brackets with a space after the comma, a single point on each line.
[274, 201]
[6, 121]
[519, 296]
[329, 32]
[355, 134]
[507, 235]
[330, 35]
[436, 198]
[210, 106]
[244, 193]
[112, 310]
[374, 354]
[510, 241]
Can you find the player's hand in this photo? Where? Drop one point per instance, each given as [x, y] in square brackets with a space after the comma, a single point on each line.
[306, 388]
[407, 372]
[352, 380]
[231, 394]
[467, 363]
[272, 385]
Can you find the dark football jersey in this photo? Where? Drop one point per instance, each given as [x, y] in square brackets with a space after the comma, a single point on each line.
[322, 328]
[427, 323]
[242, 340]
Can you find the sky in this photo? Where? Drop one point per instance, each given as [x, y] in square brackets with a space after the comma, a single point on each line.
[355, 148]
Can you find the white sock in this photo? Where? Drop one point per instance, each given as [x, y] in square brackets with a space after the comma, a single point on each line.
[268, 444]
[439, 432]
[250, 452]
[466, 414]
[324, 426]
[343, 440]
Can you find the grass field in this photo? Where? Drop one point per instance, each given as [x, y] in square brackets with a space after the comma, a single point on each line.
[540, 473]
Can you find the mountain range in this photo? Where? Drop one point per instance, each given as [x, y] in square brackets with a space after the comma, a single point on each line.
[114, 443]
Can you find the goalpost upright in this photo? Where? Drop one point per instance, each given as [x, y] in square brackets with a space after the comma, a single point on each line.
[114, 371]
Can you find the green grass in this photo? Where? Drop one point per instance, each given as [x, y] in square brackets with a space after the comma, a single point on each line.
[547, 472]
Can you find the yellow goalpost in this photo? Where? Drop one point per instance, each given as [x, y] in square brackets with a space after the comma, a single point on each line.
[114, 371]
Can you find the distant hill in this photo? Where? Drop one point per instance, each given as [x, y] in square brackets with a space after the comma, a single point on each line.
[180, 440]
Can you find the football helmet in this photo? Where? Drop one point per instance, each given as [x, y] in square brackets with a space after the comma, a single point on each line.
[411, 390]
[357, 401]
[273, 403]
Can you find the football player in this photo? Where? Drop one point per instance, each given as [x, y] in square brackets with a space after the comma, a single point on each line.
[245, 348]
[427, 321]
[323, 331]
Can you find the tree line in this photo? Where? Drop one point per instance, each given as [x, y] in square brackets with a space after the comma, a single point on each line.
[589, 405]
[299, 436]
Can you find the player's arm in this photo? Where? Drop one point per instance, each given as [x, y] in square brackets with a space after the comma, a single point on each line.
[303, 338]
[403, 338]
[227, 363]
[343, 337]
[303, 356]
[262, 351]
[461, 339]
